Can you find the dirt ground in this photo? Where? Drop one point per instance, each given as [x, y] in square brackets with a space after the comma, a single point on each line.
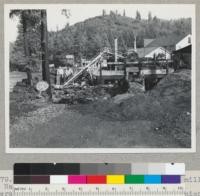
[158, 118]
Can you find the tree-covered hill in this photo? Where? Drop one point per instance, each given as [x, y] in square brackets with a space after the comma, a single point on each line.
[85, 39]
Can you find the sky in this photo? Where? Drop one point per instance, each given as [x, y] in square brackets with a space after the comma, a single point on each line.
[80, 12]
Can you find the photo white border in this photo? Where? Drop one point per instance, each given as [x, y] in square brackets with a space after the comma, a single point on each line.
[7, 7]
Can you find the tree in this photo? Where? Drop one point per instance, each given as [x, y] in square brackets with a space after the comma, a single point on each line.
[155, 19]
[112, 13]
[66, 13]
[149, 17]
[138, 16]
[23, 15]
[44, 47]
[124, 13]
[34, 30]
[103, 12]
[28, 18]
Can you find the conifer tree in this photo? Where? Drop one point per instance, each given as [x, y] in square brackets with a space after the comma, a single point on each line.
[138, 16]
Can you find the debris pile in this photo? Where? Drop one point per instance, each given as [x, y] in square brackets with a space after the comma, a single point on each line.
[135, 88]
[82, 94]
[122, 97]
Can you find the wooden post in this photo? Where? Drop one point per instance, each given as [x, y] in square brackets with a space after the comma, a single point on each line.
[29, 76]
[100, 70]
[135, 43]
[167, 68]
[44, 47]
[116, 49]
[144, 83]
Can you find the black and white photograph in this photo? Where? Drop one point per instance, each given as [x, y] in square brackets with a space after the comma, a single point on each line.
[100, 77]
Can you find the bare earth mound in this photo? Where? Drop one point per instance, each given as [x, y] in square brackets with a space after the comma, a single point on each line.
[167, 106]
[160, 118]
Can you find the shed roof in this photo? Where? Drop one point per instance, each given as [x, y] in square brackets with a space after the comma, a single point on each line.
[187, 49]
[142, 52]
[166, 41]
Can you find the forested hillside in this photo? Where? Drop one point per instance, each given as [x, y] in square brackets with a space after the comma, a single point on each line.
[86, 39]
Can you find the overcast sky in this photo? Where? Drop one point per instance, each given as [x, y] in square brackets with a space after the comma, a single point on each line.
[80, 12]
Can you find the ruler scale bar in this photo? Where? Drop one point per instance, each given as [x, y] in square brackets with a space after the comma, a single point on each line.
[101, 194]
[100, 190]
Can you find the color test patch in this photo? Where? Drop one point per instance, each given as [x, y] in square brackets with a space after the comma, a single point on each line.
[171, 179]
[115, 179]
[77, 179]
[134, 179]
[152, 179]
[96, 179]
[175, 169]
[22, 180]
[40, 179]
[156, 169]
[58, 179]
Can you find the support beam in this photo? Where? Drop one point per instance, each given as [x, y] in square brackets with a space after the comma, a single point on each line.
[135, 43]
[116, 49]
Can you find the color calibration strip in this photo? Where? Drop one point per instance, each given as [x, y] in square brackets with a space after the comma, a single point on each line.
[99, 179]
[98, 173]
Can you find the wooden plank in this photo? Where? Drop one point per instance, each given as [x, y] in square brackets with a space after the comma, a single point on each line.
[153, 71]
[115, 63]
[109, 73]
[132, 69]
